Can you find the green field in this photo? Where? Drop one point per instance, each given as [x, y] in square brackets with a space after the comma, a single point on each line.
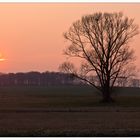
[68, 111]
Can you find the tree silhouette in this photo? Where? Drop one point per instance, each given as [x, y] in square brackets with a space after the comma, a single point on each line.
[100, 40]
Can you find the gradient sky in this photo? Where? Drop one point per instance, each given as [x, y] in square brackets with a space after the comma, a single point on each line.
[31, 34]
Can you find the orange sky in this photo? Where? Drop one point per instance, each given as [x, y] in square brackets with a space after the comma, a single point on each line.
[31, 34]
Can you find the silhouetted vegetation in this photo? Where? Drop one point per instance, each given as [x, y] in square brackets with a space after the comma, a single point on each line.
[50, 79]
[37, 79]
[100, 42]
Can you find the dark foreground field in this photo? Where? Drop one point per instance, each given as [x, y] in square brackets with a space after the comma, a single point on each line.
[68, 111]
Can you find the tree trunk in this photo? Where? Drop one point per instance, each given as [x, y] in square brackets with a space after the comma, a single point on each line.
[106, 95]
[107, 98]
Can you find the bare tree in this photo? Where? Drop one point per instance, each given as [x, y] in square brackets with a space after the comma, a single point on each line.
[100, 40]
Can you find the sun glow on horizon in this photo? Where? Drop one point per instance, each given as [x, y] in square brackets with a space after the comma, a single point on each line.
[1, 57]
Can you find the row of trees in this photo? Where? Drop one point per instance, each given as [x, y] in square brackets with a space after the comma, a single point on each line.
[56, 79]
[36, 79]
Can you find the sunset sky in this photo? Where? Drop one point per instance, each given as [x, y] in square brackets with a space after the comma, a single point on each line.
[31, 34]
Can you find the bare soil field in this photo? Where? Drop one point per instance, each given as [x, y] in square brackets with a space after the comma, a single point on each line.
[45, 123]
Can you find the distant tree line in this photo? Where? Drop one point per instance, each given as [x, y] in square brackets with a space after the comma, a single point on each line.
[36, 79]
[55, 79]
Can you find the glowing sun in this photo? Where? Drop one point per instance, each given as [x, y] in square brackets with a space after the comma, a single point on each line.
[1, 57]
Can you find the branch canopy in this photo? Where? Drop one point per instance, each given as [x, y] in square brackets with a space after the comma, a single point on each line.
[101, 40]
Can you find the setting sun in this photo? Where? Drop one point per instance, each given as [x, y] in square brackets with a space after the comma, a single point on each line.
[1, 57]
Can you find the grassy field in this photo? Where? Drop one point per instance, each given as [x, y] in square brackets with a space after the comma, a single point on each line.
[68, 111]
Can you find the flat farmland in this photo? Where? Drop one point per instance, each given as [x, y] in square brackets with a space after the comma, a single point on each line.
[68, 111]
